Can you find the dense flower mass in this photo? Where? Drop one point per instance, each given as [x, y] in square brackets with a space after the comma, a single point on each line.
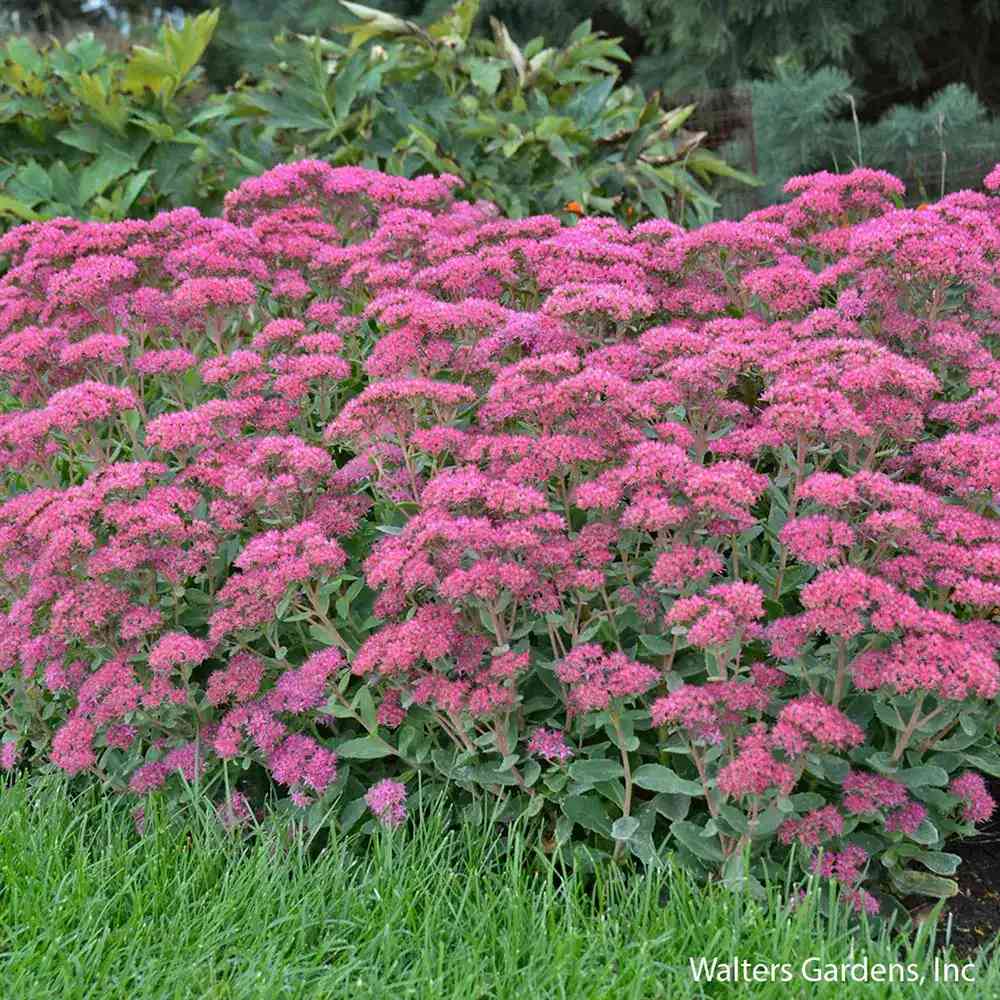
[657, 536]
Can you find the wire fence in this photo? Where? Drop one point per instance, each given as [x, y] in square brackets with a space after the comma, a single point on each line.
[726, 114]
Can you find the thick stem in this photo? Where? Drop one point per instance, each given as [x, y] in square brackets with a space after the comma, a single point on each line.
[840, 683]
[793, 499]
[312, 593]
[626, 765]
[500, 731]
[903, 741]
[371, 730]
[933, 741]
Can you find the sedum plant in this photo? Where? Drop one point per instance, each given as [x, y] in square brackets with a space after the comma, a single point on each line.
[661, 542]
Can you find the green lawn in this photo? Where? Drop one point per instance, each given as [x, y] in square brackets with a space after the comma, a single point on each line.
[90, 910]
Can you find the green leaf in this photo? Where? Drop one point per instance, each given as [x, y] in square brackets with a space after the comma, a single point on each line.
[767, 822]
[807, 801]
[364, 748]
[487, 774]
[917, 883]
[588, 101]
[915, 777]
[939, 862]
[734, 818]
[486, 74]
[690, 835]
[656, 644]
[926, 833]
[657, 778]
[672, 806]
[365, 706]
[351, 813]
[564, 829]
[11, 206]
[188, 45]
[588, 813]
[375, 23]
[989, 765]
[85, 138]
[96, 178]
[592, 771]
[108, 106]
[457, 22]
[133, 189]
[624, 828]
[31, 183]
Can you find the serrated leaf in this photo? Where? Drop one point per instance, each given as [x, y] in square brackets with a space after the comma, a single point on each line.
[11, 206]
[31, 184]
[96, 178]
[486, 74]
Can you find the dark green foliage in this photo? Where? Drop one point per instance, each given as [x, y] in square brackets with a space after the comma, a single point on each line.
[804, 122]
[88, 131]
[895, 50]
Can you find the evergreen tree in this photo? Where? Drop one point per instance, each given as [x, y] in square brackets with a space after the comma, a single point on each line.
[895, 50]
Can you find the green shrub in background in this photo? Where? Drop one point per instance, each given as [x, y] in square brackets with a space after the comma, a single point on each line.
[89, 132]
[808, 121]
[531, 130]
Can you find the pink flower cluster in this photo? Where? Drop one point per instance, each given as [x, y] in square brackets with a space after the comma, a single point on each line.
[387, 800]
[594, 678]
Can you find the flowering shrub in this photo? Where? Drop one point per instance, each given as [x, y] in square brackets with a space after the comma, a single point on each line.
[669, 541]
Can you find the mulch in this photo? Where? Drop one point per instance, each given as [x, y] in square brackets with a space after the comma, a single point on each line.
[971, 919]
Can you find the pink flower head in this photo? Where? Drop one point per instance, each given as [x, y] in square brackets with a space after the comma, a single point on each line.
[176, 648]
[387, 800]
[305, 687]
[72, 746]
[906, 819]
[390, 712]
[8, 755]
[977, 803]
[813, 829]
[847, 868]
[234, 813]
[809, 721]
[595, 678]
[302, 762]
[705, 710]
[755, 769]
[867, 793]
[950, 666]
[550, 744]
[726, 611]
